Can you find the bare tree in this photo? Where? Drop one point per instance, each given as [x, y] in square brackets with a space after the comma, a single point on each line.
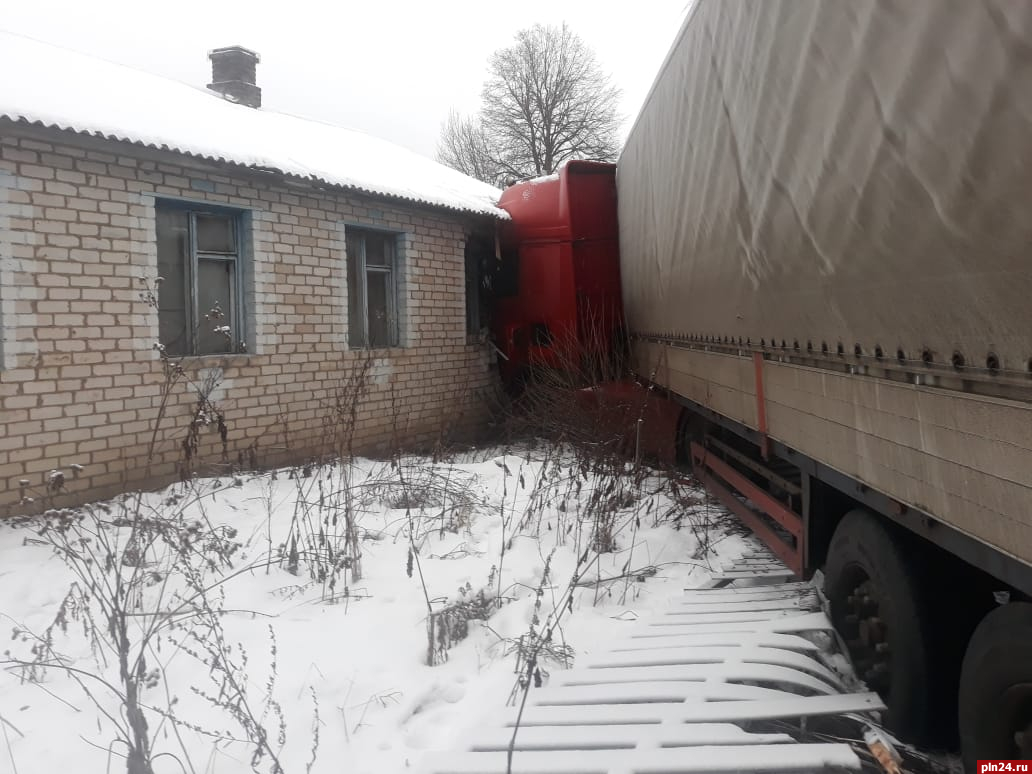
[464, 145]
[546, 101]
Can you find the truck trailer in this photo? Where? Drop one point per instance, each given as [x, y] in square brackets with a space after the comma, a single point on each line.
[825, 255]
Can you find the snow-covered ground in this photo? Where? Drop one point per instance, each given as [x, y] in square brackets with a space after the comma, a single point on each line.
[337, 667]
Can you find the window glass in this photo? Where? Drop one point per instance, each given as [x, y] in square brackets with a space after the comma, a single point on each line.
[215, 234]
[214, 293]
[478, 260]
[173, 256]
[378, 252]
[507, 274]
[378, 290]
[356, 326]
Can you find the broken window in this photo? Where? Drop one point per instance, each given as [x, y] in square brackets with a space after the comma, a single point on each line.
[199, 298]
[479, 254]
[372, 293]
[506, 275]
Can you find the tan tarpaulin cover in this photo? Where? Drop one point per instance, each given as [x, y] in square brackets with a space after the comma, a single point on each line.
[838, 170]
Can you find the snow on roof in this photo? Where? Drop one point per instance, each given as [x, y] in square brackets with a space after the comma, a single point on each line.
[59, 88]
[543, 179]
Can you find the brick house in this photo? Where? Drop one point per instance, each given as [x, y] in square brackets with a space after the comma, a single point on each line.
[294, 258]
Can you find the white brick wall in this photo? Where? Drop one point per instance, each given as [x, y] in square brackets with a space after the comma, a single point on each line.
[81, 381]
[18, 264]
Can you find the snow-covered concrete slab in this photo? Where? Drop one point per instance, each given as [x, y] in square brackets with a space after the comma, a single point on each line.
[733, 758]
[727, 672]
[736, 593]
[608, 737]
[744, 622]
[649, 640]
[723, 661]
[648, 702]
[789, 707]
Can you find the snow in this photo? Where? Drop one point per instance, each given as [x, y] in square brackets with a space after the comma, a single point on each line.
[59, 88]
[544, 179]
[488, 521]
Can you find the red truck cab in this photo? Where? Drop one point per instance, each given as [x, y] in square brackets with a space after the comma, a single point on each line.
[557, 288]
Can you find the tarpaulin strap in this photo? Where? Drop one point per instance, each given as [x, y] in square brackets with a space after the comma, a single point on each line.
[761, 406]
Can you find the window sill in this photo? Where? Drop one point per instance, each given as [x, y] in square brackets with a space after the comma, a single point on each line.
[213, 359]
[379, 351]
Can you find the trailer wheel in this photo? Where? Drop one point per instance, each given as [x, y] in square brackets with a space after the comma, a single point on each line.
[996, 687]
[876, 605]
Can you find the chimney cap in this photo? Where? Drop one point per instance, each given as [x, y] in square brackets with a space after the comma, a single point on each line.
[234, 75]
[235, 50]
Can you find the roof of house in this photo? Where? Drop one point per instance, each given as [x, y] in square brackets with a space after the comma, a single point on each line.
[55, 87]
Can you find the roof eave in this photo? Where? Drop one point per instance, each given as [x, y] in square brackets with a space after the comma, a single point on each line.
[308, 181]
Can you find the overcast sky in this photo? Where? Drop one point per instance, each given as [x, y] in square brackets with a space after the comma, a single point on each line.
[390, 68]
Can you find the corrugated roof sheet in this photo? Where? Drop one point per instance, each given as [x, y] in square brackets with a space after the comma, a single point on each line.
[58, 88]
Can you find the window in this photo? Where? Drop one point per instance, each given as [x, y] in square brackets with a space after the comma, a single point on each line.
[372, 294]
[506, 280]
[199, 298]
[478, 257]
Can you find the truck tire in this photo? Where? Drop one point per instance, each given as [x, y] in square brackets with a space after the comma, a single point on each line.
[996, 687]
[876, 605]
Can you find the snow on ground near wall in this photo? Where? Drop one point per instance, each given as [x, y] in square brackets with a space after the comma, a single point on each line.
[362, 658]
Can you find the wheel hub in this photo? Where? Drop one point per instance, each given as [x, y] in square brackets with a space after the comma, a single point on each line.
[1015, 715]
[867, 637]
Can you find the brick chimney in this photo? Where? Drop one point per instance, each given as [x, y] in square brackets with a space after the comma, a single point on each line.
[233, 75]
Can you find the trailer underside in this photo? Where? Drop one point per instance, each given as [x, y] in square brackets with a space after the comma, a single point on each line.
[951, 466]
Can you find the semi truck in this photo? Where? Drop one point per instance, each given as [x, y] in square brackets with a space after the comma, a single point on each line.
[825, 263]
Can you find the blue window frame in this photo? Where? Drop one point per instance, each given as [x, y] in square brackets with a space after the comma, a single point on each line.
[200, 296]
